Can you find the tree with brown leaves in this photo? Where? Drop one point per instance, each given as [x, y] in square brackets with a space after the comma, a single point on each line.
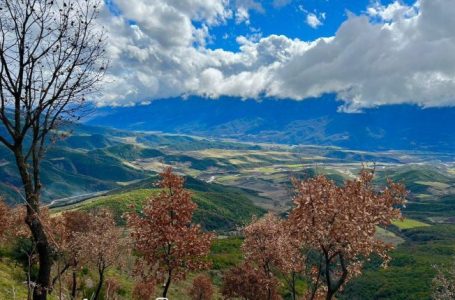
[103, 245]
[51, 59]
[269, 245]
[169, 246]
[202, 288]
[249, 282]
[69, 227]
[338, 225]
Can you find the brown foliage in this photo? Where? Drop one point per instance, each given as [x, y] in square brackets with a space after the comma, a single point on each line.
[339, 224]
[202, 288]
[269, 245]
[144, 290]
[86, 239]
[112, 288]
[68, 231]
[4, 218]
[249, 282]
[69, 227]
[103, 245]
[168, 244]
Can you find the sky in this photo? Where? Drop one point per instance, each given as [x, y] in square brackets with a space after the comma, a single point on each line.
[366, 52]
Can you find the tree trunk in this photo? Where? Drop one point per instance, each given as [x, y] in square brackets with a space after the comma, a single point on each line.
[74, 286]
[43, 247]
[333, 287]
[293, 291]
[168, 283]
[100, 283]
[44, 251]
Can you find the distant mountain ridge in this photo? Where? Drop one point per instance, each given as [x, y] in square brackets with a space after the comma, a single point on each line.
[313, 121]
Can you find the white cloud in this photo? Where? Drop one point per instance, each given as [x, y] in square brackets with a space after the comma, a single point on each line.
[313, 20]
[392, 54]
[243, 8]
[410, 60]
[393, 11]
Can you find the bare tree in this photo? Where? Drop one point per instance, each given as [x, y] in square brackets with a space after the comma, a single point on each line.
[51, 59]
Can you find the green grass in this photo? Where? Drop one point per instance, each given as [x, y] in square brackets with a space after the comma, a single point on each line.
[11, 278]
[409, 224]
[226, 252]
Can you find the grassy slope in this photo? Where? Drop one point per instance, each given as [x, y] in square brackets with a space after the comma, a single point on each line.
[411, 270]
[11, 277]
[219, 208]
[419, 179]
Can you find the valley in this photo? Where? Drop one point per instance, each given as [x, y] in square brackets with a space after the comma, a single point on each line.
[233, 181]
[96, 161]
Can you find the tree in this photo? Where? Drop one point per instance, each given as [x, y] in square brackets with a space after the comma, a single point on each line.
[269, 245]
[444, 284]
[249, 282]
[338, 224]
[103, 245]
[69, 227]
[202, 288]
[169, 246]
[24, 245]
[51, 59]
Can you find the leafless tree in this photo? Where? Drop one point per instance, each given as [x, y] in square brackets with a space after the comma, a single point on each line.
[52, 56]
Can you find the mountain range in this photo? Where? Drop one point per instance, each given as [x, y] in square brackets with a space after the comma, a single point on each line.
[314, 121]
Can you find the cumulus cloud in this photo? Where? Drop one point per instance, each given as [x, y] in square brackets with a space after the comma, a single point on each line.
[388, 13]
[391, 54]
[410, 60]
[314, 21]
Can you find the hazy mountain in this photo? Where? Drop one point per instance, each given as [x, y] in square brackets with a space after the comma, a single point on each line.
[315, 121]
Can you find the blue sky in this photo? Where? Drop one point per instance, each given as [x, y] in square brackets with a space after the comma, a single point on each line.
[290, 20]
[366, 52]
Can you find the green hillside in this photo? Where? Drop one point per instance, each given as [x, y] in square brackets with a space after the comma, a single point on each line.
[419, 179]
[219, 208]
[411, 270]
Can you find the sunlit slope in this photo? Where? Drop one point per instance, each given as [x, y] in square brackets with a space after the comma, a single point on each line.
[219, 208]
